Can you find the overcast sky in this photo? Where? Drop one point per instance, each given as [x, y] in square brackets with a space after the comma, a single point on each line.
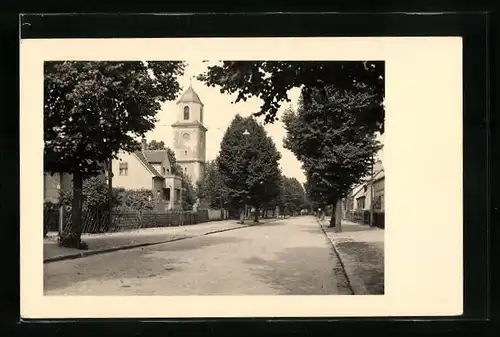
[218, 113]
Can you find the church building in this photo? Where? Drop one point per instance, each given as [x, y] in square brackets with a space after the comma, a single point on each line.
[189, 135]
[152, 170]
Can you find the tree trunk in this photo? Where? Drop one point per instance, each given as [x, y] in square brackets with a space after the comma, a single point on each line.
[242, 215]
[72, 237]
[110, 194]
[256, 214]
[335, 220]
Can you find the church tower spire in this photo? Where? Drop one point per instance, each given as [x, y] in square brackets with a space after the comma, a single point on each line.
[189, 134]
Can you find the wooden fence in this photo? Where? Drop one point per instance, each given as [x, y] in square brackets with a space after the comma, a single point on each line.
[98, 221]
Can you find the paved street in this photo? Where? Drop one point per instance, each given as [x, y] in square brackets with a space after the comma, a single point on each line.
[286, 257]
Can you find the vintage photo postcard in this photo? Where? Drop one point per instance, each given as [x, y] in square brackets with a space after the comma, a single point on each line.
[233, 177]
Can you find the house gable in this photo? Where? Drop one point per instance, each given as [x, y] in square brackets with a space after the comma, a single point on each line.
[130, 172]
[159, 160]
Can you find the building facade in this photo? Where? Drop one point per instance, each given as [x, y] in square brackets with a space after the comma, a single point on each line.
[150, 170]
[189, 142]
[370, 193]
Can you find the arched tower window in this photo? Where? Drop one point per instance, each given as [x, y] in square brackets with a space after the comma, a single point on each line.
[186, 112]
[201, 114]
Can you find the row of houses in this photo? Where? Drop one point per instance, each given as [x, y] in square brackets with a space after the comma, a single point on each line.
[370, 193]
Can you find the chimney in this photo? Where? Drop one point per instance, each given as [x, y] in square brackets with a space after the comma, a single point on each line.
[143, 144]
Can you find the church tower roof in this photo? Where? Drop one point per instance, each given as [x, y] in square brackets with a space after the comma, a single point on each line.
[190, 96]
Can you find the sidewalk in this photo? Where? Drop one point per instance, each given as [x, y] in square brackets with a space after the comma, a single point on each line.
[108, 242]
[361, 249]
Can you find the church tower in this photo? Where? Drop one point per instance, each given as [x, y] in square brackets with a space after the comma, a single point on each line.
[189, 135]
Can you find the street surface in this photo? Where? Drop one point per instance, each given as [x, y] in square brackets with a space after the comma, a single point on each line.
[285, 257]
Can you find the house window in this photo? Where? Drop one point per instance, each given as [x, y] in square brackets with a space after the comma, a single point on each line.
[163, 170]
[177, 195]
[377, 204]
[185, 152]
[186, 112]
[360, 203]
[123, 169]
[364, 188]
[185, 170]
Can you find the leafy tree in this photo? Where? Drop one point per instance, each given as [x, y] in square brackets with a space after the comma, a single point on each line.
[95, 194]
[292, 195]
[271, 80]
[211, 186]
[155, 145]
[248, 164]
[189, 196]
[335, 148]
[93, 110]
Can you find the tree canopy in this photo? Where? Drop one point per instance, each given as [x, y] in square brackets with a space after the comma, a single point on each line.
[248, 164]
[156, 145]
[291, 194]
[94, 109]
[271, 80]
[335, 148]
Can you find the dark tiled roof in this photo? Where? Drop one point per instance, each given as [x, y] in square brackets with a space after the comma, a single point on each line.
[190, 96]
[155, 156]
[150, 168]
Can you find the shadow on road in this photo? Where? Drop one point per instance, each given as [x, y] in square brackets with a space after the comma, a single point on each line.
[302, 271]
[143, 262]
[195, 243]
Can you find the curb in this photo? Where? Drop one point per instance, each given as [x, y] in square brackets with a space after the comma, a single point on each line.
[350, 284]
[86, 253]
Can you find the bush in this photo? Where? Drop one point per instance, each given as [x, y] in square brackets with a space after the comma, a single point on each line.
[136, 200]
[95, 194]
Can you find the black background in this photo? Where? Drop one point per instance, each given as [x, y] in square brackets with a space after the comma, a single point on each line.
[479, 150]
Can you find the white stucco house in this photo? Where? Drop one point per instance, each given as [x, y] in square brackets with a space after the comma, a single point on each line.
[151, 170]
